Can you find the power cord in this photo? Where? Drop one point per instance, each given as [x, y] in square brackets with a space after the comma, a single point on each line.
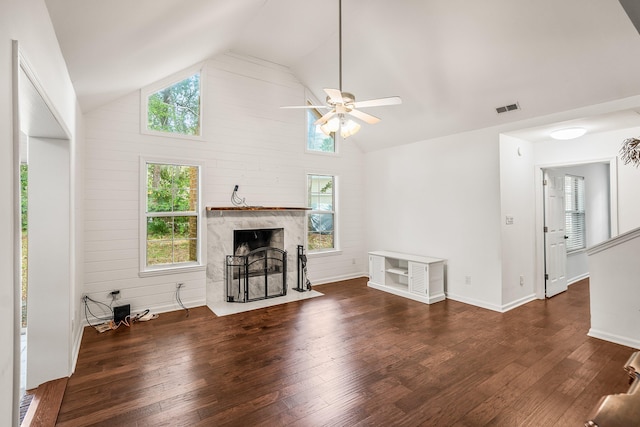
[178, 287]
[108, 322]
[86, 299]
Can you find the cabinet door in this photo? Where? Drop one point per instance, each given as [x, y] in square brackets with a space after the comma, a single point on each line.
[419, 278]
[376, 269]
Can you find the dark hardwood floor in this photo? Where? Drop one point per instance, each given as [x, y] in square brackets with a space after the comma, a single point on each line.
[353, 357]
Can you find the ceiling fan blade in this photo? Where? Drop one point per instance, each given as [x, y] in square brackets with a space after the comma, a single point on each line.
[392, 100]
[367, 118]
[335, 95]
[306, 106]
[322, 120]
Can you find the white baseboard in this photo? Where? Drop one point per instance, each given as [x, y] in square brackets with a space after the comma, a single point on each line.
[475, 302]
[165, 308]
[76, 348]
[577, 279]
[616, 339]
[518, 303]
[500, 309]
[326, 280]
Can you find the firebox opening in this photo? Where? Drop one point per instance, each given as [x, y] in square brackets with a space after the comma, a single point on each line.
[245, 241]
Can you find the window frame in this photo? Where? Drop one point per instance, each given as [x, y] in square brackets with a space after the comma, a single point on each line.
[312, 100]
[146, 91]
[335, 212]
[155, 270]
[576, 192]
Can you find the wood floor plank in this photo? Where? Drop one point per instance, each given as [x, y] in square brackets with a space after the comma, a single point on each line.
[43, 410]
[355, 356]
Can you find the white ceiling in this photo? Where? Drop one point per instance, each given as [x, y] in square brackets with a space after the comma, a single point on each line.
[452, 61]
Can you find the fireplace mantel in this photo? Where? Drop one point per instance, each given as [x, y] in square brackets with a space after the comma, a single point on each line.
[255, 208]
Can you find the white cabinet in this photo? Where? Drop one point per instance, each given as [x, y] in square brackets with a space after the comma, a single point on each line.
[411, 276]
[376, 269]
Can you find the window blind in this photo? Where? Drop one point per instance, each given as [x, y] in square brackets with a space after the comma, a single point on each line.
[575, 227]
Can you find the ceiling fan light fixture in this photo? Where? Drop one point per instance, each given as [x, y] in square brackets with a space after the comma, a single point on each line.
[348, 128]
[330, 126]
[568, 133]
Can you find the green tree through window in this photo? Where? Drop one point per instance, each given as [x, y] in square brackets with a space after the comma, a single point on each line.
[321, 217]
[172, 214]
[176, 108]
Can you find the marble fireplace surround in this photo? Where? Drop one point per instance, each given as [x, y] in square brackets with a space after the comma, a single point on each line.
[221, 223]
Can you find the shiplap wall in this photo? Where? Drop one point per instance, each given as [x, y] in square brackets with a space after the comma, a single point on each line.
[247, 140]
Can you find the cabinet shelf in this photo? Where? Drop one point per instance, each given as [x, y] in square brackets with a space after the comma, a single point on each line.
[399, 271]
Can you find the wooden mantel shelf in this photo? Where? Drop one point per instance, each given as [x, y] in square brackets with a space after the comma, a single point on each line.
[254, 208]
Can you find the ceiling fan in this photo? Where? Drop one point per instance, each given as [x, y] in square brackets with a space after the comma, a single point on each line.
[340, 103]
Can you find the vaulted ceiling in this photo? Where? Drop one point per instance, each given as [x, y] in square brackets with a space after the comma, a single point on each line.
[452, 61]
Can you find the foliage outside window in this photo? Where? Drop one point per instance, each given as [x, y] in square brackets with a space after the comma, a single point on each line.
[176, 108]
[321, 217]
[172, 214]
[316, 139]
[574, 213]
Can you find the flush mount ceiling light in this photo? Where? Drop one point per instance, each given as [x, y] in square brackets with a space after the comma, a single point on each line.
[342, 104]
[568, 133]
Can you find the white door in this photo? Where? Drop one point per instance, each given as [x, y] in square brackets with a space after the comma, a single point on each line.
[555, 252]
[418, 274]
[376, 269]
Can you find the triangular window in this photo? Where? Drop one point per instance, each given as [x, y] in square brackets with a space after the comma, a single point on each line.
[176, 108]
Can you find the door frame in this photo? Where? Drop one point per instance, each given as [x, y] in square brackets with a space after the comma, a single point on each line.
[539, 211]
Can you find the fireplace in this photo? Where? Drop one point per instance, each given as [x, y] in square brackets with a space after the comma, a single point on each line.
[221, 226]
[245, 241]
[258, 268]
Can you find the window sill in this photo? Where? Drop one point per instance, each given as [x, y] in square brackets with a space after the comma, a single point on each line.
[172, 270]
[322, 153]
[320, 254]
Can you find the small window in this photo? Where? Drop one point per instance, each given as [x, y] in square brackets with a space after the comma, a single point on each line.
[316, 139]
[171, 226]
[321, 218]
[574, 213]
[176, 108]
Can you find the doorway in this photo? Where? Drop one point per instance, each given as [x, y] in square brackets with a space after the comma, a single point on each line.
[600, 221]
[43, 149]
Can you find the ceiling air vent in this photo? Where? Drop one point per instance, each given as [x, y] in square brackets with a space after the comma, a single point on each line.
[510, 107]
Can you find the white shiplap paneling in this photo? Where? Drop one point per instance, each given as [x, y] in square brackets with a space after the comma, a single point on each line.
[247, 140]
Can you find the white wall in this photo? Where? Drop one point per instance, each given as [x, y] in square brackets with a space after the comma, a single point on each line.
[448, 197]
[49, 296]
[615, 294]
[26, 21]
[247, 140]
[517, 238]
[441, 198]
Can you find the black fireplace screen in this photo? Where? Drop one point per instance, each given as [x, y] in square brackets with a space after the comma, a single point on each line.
[257, 275]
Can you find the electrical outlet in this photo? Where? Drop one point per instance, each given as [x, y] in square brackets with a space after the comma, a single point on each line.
[521, 280]
[115, 295]
[353, 261]
[179, 285]
[467, 280]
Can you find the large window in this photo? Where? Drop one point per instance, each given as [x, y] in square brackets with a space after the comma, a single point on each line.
[175, 108]
[574, 212]
[171, 229]
[316, 139]
[321, 190]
